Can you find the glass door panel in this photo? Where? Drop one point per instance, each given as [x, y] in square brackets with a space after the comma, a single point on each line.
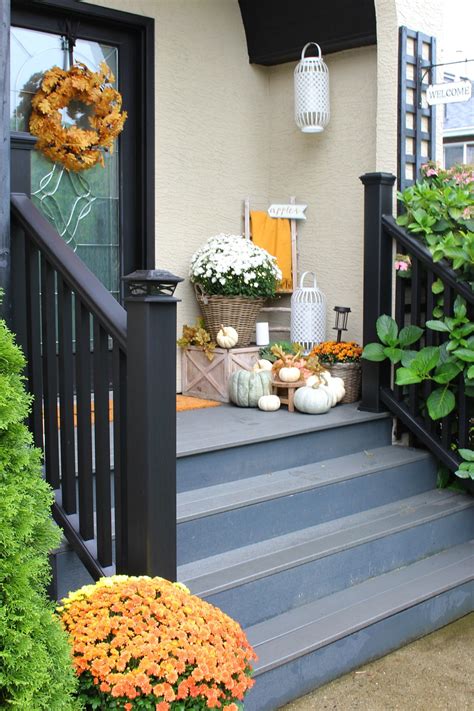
[83, 207]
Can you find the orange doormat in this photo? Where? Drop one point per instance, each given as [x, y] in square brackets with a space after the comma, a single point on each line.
[185, 402]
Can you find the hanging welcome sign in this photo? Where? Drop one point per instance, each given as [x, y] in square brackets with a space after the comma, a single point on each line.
[291, 212]
[449, 92]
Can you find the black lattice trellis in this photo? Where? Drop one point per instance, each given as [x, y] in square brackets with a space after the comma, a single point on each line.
[417, 120]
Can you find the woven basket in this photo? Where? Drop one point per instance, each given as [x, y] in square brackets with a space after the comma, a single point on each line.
[351, 375]
[240, 312]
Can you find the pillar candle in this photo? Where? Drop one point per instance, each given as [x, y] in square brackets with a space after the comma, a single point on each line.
[263, 336]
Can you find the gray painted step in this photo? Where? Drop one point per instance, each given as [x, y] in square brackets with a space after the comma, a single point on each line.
[312, 563]
[217, 518]
[310, 645]
[231, 443]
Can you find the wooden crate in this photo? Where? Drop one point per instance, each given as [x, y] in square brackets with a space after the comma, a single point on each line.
[208, 379]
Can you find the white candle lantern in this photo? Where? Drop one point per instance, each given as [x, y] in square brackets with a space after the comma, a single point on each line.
[308, 314]
[311, 92]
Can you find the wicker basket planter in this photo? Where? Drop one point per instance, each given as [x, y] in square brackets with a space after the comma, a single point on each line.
[240, 312]
[351, 375]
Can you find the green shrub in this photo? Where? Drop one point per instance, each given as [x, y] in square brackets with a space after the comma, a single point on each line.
[35, 660]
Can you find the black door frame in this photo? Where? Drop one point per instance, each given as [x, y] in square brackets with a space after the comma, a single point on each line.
[134, 36]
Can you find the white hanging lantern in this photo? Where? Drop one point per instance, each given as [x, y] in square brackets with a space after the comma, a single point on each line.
[311, 92]
[308, 314]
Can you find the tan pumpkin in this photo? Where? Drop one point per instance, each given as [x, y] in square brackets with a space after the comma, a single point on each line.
[289, 375]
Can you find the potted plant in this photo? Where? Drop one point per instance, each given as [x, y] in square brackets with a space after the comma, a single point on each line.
[146, 643]
[232, 278]
[343, 361]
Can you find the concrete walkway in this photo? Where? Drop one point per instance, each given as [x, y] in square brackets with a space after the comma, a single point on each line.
[435, 673]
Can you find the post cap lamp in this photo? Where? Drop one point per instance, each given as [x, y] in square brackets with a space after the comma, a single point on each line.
[311, 92]
[342, 314]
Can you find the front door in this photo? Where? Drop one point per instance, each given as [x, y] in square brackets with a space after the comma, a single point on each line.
[104, 214]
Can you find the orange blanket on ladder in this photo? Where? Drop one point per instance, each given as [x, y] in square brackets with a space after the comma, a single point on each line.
[274, 235]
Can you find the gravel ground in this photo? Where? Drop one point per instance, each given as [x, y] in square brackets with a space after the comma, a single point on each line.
[435, 673]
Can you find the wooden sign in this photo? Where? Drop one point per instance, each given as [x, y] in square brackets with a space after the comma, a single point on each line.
[449, 92]
[292, 212]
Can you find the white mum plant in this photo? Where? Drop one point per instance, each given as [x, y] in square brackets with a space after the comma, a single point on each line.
[231, 265]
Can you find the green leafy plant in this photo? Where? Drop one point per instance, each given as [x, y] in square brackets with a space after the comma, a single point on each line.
[466, 469]
[35, 661]
[267, 353]
[440, 209]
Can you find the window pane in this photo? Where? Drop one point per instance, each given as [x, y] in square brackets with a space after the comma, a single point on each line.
[83, 207]
[453, 155]
[470, 153]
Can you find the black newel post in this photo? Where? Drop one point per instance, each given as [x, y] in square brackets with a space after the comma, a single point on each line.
[5, 309]
[378, 268]
[150, 506]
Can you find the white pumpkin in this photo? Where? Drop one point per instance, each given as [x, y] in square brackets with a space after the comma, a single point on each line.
[289, 375]
[312, 400]
[324, 377]
[339, 388]
[269, 403]
[227, 337]
[262, 364]
[331, 393]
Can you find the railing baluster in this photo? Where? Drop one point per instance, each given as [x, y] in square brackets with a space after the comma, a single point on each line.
[84, 443]
[102, 446]
[66, 397]
[415, 318]
[447, 422]
[430, 305]
[119, 369]
[50, 375]
[400, 310]
[33, 310]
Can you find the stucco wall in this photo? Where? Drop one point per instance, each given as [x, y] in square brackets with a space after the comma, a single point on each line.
[421, 15]
[225, 129]
[323, 171]
[212, 127]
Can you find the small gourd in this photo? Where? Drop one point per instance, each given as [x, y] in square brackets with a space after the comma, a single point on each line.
[246, 388]
[262, 364]
[289, 375]
[269, 403]
[312, 400]
[227, 337]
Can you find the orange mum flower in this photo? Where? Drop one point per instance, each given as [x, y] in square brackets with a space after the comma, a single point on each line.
[146, 638]
[331, 352]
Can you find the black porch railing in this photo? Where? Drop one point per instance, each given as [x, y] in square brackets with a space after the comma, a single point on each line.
[412, 302]
[103, 412]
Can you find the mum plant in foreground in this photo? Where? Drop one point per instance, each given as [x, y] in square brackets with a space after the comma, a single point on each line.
[146, 643]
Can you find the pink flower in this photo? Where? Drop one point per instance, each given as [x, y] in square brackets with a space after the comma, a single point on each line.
[430, 172]
[401, 266]
[466, 213]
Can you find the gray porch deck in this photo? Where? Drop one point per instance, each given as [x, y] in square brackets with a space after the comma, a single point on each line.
[228, 426]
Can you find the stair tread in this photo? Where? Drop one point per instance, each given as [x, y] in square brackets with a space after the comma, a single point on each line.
[242, 565]
[229, 495]
[304, 629]
[228, 426]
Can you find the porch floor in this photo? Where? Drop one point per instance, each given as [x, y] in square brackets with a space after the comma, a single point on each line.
[228, 426]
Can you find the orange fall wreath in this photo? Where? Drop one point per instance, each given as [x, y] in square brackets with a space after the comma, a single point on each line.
[77, 148]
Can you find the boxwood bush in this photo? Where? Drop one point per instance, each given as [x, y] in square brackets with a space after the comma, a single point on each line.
[35, 660]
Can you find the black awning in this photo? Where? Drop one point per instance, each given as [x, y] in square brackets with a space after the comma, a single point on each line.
[277, 30]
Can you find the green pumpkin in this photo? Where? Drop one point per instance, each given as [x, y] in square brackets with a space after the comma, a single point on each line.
[246, 388]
